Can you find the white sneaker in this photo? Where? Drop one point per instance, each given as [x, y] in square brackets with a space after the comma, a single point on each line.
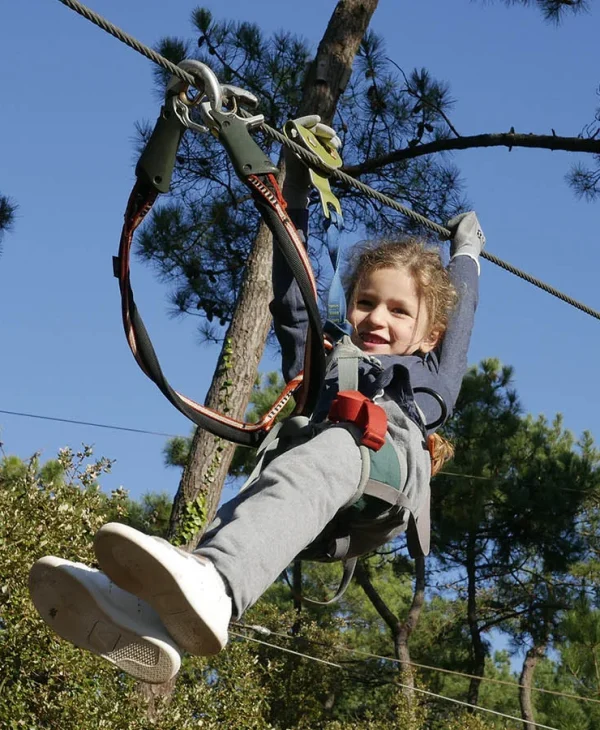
[185, 590]
[86, 608]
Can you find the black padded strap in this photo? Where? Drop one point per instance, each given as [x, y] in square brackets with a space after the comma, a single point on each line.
[349, 568]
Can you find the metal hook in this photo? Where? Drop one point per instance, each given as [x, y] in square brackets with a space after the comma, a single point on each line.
[205, 81]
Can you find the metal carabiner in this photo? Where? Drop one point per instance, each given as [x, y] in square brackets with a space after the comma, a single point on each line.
[238, 96]
[220, 109]
[205, 81]
[232, 99]
[208, 86]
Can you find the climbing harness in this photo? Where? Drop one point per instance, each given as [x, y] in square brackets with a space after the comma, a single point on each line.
[379, 510]
[219, 108]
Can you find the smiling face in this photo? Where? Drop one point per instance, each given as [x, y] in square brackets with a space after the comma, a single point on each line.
[388, 315]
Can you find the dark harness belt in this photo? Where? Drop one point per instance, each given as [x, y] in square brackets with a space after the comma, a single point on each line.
[154, 171]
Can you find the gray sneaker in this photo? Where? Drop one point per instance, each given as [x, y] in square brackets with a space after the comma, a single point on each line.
[85, 607]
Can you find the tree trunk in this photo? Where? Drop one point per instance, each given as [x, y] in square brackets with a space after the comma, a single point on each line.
[530, 662]
[400, 631]
[297, 594]
[477, 643]
[202, 480]
[229, 392]
[414, 612]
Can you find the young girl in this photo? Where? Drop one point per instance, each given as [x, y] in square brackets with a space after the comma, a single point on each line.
[412, 319]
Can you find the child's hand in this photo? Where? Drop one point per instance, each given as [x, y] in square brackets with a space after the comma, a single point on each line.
[297, 180]
[467, 238]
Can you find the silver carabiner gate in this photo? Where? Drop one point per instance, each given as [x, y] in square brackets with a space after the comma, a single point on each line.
[208, 86]
[232, 99]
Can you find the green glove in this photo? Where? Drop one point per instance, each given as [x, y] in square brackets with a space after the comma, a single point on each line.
[297, 185]
[467, 238]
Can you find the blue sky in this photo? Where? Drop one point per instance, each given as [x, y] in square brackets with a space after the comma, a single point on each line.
[72, 95]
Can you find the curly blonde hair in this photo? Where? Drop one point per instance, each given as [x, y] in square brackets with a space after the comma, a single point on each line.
[421, 262]
[434, 288]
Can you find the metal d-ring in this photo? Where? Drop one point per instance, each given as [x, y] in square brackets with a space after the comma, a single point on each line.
[441, 402]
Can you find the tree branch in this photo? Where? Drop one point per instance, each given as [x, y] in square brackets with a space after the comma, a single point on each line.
[363, 579]
[502, 139]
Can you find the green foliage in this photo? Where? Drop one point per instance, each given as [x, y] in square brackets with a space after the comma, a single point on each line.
[177, 450]
[465, 721]
[510, 528]
[580, 648]
[47, 683]
[150, 515]
[192, 520]
[554, 10]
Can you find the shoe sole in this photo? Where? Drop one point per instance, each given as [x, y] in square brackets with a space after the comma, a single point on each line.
[126, 556]
[75, 613]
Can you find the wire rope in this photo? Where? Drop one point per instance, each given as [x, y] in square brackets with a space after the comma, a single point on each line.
[492, 680]
[396, 683]
[314, 161]
[89, 423]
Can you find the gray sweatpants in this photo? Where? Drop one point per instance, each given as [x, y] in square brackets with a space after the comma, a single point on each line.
[257, 534]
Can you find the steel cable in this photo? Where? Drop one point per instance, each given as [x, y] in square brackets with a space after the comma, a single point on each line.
[418, 690]
[313, 161]
[369, 655]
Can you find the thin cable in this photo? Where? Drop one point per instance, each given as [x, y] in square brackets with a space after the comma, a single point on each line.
[395, 683]
[313, 161]
[172, 436]
[89, 423]
[492, 680]
[287, 651]
[464, 476]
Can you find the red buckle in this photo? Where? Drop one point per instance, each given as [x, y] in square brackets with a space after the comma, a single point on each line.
[352, 406]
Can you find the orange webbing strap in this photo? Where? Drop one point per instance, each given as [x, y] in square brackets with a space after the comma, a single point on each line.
[272, 208]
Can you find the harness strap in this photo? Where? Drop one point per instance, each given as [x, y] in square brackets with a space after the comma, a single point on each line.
[336, 324]
[386, 493]
[269, 202]
[345, 355]
[371, 488]
[349, 566]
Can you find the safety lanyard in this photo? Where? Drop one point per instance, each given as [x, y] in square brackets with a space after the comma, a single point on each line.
[255, 169]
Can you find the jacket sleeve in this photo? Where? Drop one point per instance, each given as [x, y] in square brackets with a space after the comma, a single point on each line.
[290, 319]
[453, 350]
